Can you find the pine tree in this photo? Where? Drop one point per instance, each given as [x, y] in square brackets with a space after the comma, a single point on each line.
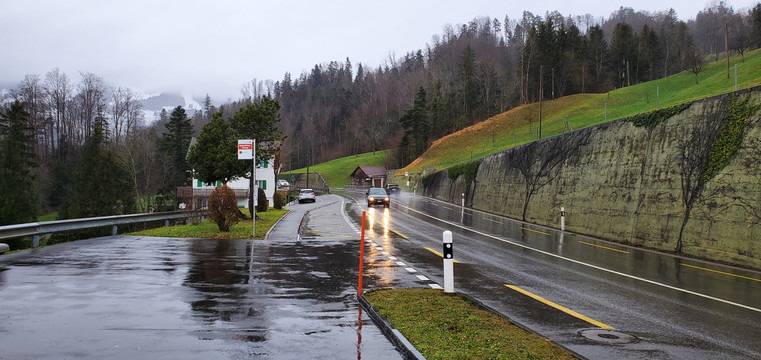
[18, 203]
[174, 143]
[102, 183]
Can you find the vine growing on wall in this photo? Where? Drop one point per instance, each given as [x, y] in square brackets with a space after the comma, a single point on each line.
[653, 118]
[706, 149]
[468, 169]
[730, 137]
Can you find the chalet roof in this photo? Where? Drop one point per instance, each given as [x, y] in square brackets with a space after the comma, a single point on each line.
[370, 171]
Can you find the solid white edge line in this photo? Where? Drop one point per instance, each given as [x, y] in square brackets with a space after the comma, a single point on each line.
[586, 264]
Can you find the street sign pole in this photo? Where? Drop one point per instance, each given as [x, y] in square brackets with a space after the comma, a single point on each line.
[253, 174]
[247, 151]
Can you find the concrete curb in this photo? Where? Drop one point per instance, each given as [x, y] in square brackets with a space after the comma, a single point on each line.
[393, 335]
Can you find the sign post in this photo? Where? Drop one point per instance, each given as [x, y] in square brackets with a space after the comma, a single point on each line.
[247, 151]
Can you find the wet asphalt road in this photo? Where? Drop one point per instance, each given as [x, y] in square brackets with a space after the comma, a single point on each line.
[128, 297]
[674, 308]
[293, 296]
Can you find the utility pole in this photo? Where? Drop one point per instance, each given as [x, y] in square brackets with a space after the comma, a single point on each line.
[308, 168]
[541, 95]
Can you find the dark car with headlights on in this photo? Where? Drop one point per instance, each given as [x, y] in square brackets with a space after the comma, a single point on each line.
[392, 188]
[377, 196]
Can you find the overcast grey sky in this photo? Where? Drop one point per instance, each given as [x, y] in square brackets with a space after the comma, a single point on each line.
[216, 46]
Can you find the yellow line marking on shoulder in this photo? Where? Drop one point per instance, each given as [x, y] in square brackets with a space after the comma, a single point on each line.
[398, 233]
[604, 247]
[561, 308]
[721, 272]
[439, 254]
[489, 219]
[536, 231]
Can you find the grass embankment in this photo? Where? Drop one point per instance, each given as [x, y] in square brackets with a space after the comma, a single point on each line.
[209, 230]
[443, 326]
[336, 172]
[519, 125]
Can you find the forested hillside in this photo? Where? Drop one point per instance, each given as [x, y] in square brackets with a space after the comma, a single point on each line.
[487, 66]
[464, 75]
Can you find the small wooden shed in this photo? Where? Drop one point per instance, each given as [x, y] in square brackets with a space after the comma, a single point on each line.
[373, 176]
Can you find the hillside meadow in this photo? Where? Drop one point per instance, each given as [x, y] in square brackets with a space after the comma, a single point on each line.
[519, 125]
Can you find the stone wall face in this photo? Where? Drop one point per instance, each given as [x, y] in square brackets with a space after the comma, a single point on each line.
[626, 183]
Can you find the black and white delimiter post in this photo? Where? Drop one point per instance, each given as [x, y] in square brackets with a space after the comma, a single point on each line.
[448, 263]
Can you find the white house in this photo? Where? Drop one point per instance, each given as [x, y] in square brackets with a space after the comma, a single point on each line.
[265, 178]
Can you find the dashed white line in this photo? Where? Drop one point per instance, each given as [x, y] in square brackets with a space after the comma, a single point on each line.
[392, 258]
[401, 263]
[411, 270]
[422, 277]
[436, 286]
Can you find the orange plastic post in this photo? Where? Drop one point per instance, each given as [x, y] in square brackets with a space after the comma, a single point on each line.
[361, 254]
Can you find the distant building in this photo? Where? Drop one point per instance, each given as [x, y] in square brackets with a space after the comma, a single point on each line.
[373, 176]
[197, 195]
[265, 178]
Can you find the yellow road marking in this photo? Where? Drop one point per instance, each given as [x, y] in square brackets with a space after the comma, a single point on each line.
[439, 254]
[398, 233]
[561, 308]
[536, 231]
[604, 247]
[447, 207]
[721, 272]
[488, 219]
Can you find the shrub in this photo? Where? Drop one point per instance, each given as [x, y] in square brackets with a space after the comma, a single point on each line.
[261, 204]
[280, 199]
[223, 207]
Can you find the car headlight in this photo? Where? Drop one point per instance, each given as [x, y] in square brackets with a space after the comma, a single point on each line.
[386, 199]
[371, 198]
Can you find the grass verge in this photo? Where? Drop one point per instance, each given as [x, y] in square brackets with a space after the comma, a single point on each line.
[209, 230]
[444, 326]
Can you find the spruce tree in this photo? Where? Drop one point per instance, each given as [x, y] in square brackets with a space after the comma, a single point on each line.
[18, 203]
[102, 185]
[174, 143]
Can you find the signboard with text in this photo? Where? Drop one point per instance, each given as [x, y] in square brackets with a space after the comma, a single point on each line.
[245, 149]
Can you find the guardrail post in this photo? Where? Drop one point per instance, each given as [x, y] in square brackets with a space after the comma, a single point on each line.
[448, 263]
[166, 222]
[113, 230]
[35, 241]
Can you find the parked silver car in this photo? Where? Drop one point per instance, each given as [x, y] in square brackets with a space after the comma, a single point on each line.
[306, 195]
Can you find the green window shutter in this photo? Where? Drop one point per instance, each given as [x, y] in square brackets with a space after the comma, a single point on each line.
[199, 183]
[264, 184]
[219, 183]
[266, 163]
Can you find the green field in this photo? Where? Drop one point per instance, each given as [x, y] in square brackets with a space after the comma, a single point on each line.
[336, 172]
[519, 125]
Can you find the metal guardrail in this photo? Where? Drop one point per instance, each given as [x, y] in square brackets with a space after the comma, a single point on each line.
[49, 227]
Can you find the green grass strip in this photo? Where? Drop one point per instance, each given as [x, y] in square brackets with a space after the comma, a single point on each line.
[442, 326]
[209, 230]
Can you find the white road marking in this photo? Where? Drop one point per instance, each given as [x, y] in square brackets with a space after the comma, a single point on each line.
[585, 264]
